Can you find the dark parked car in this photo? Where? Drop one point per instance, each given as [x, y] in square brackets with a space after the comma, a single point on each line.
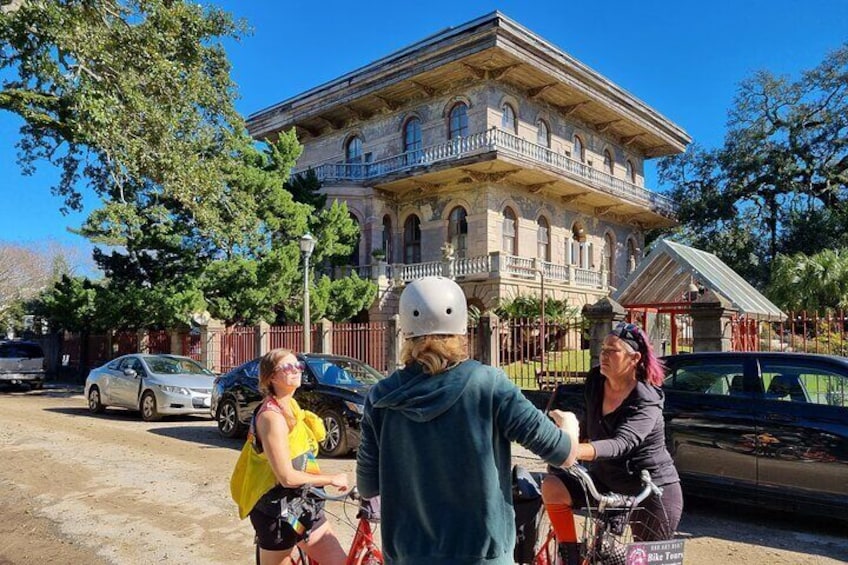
[768, 429]
[21, 362]
[333, 386]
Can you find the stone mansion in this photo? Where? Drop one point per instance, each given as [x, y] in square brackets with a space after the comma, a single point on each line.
[486, 153]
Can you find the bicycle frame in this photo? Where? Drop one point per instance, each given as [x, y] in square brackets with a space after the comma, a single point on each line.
[363, 550]
[597, 538]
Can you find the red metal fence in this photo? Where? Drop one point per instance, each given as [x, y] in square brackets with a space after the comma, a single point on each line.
[804, 332]
[158, 341]
[291, 337]
[238, 345]
[191, 346]
[366, 342]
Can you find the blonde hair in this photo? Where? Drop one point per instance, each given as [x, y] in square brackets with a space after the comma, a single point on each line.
[435, 352]
[267, 365]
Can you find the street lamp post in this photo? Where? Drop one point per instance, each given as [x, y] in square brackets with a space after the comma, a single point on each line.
[307, 244]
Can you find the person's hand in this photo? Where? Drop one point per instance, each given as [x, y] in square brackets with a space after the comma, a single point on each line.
[567, 422]
[339, 481]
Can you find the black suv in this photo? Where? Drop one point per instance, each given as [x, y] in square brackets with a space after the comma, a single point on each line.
[333, 386]
[764, 428]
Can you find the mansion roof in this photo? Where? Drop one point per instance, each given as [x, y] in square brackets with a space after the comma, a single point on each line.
[489, 48]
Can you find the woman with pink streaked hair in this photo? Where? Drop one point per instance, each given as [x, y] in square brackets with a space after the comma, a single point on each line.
[622, 433]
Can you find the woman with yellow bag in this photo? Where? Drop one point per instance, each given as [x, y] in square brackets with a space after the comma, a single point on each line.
[277, 459]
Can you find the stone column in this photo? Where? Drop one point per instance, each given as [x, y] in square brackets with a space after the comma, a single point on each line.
[325, 337]
[490, 346]
[601, 317]
[712, 328]
[176, 337]
[143, 341]
[394, 343]
[262, 338]
[210, 345]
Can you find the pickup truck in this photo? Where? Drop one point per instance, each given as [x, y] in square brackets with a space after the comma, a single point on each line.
[768, 429]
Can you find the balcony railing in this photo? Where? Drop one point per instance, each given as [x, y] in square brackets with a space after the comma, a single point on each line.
[494, 265]
[495, 140]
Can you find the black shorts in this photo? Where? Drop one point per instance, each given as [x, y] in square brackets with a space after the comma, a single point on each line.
[656, 519]
[276, 534]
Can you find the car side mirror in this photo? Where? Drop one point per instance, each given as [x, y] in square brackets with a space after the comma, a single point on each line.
[307, 381]
[130, 373]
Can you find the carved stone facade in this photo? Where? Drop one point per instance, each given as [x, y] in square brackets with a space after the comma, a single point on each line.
[488, 138]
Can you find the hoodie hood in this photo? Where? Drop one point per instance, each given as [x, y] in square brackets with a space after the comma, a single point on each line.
[419, 396]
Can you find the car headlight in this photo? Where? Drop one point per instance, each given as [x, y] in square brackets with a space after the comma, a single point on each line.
[354, 407]
[175, 389]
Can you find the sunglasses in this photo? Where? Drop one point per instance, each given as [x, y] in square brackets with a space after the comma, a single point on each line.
[629, 333]
[298, 367]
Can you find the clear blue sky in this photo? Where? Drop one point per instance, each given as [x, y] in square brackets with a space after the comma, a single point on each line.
[685, 59]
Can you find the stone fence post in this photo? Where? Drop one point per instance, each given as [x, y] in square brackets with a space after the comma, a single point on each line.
[210, 345]
[261, 338]
[394, 343]
[325, 336]
[601, 317]
[712, 323]
[490, 343]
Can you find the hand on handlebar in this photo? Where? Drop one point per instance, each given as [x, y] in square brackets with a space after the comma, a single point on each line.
[339, 481]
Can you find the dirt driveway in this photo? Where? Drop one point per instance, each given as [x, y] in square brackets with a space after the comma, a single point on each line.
[79, 488]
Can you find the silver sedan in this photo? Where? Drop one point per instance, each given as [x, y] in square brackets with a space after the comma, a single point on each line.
[155, 385]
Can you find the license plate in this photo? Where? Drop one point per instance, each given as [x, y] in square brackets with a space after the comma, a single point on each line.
[655, 553]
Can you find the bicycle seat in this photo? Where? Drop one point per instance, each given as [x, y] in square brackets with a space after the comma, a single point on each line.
[526, 485]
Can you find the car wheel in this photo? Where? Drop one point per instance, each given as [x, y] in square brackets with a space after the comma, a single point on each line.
[229, 424]
[95, 404]
[149, 413]
[335, 444]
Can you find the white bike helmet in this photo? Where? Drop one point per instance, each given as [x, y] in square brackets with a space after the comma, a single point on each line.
[433, 305]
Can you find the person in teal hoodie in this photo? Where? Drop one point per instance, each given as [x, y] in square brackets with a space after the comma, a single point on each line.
[436, 439]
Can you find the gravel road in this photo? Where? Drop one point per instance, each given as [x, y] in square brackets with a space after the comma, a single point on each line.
[79, 488]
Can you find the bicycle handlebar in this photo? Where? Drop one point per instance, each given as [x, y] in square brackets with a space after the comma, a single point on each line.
[352, 493]
[613, 499]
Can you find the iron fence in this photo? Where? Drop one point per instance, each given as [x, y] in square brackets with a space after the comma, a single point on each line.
[538, 354]
[805, 332]
[365, 341]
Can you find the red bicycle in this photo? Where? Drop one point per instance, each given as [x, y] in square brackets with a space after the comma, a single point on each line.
[605, 538]
[363, 550]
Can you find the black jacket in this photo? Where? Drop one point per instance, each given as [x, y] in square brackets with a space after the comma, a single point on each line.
[630, 438]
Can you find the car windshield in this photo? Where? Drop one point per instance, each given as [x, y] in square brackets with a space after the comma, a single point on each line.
[25, 350]
[175, 366]
[344, 372]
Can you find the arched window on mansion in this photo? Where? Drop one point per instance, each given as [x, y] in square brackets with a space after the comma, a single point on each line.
[632, 255]
[458, 231]
[412, 240]
[510, 231]
[580, 248]
[387, 238]
[458, 121]
[543, 239]
[609, 256]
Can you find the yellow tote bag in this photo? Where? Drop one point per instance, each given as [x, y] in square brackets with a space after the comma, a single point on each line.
[253, 476]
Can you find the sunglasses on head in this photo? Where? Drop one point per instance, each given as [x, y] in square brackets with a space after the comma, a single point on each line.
[629, 333]
[298, 367]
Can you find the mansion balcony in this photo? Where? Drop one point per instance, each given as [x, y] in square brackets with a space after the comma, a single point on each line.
[499, 156]
[495, 265]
